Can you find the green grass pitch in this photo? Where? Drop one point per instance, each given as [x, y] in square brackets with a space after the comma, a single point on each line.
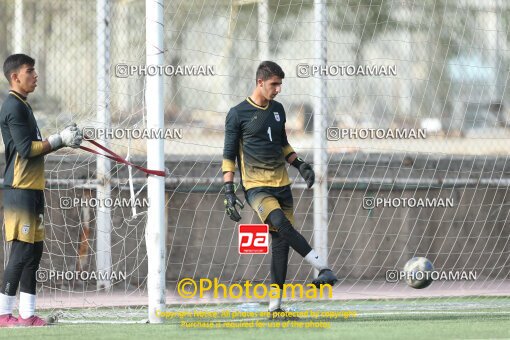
[450, 318]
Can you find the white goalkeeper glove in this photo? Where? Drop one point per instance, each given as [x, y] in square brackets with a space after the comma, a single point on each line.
[71, 136]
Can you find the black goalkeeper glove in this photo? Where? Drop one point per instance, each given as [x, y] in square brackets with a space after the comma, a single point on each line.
[305, 170]
[231, 201]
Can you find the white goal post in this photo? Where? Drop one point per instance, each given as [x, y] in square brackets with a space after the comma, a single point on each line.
[155, 232]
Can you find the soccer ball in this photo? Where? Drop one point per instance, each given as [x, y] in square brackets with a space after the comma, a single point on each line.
[418, 272]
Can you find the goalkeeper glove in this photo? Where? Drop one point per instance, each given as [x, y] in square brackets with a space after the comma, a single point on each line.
[231, 201]
[305, 170]
[70, 136]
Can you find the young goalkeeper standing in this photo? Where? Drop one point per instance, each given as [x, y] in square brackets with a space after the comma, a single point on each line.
[255, 136]
[24, 183]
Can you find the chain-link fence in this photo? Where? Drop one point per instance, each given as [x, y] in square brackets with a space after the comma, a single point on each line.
[438, 65]
[433, 73]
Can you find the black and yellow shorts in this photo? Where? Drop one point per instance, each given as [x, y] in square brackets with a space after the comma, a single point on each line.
[23, 215]
[266, 199]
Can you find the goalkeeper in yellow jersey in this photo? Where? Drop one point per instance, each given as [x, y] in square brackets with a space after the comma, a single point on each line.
[255, 137]
[23, 195]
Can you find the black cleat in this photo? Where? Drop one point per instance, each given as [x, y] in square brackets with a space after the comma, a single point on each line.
[282, 315]
[326, 276]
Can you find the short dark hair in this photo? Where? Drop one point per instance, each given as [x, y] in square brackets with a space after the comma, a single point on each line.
[267, 69]
[14, 62]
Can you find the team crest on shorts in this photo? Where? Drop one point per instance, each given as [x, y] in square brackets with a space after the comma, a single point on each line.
[276, 116]
[25, 229]
[261, 209]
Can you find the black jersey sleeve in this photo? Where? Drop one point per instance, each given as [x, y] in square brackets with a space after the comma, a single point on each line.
[287, 149]
[20, 133]
[232, 137]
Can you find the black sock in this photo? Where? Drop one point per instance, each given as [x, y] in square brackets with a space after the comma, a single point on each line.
[278, 220]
